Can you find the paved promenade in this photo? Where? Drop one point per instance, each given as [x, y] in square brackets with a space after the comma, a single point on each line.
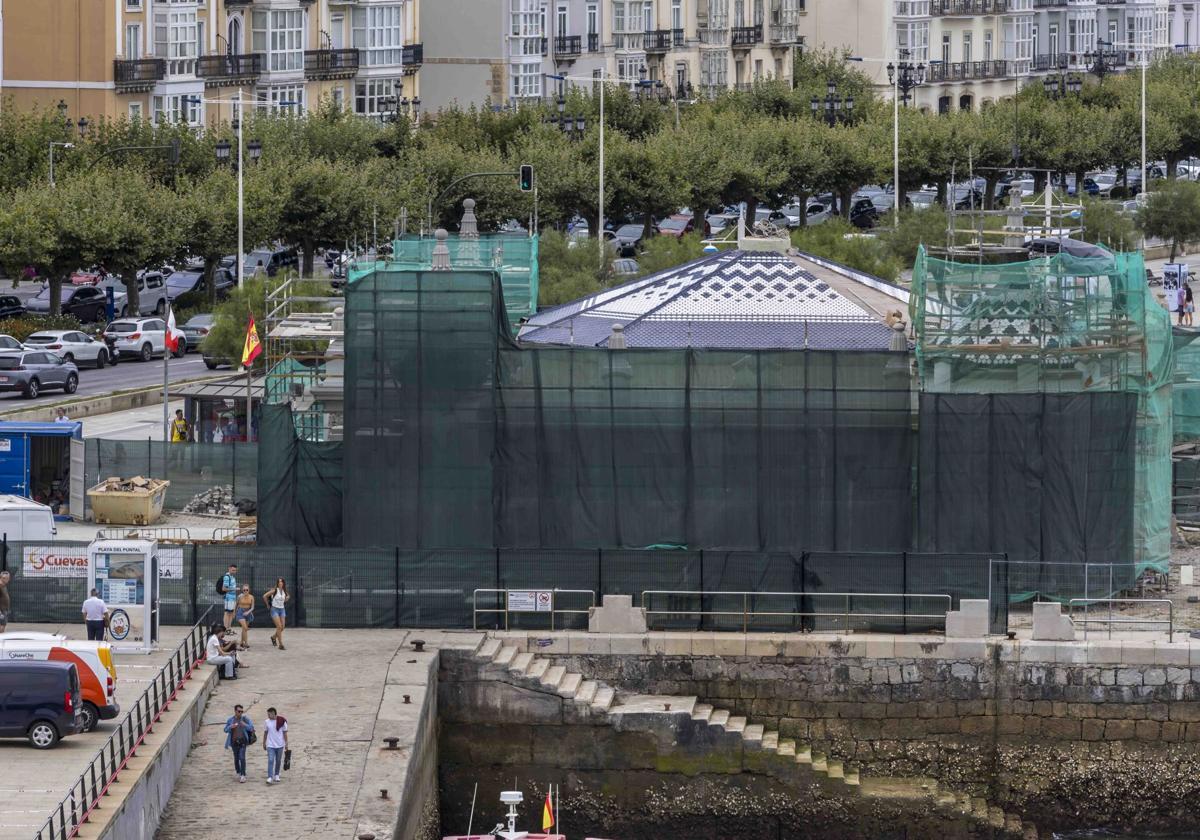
[329, 684]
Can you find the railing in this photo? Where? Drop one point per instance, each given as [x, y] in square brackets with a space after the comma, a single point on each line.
[567, 45]
[658, 40]
[628, 40]
[713, 35]
[1049, 4]
[94, 782]
[1110, 620]
[958, 71]
[229, 66]
[747, 36]
[160, 533]
[330, 64]
[784, 33]
[139, 74]
[749, 605]
[1050, 61]
[968, 7]
[677, 37]
[412, 55]
[548, 597]
[593, 42]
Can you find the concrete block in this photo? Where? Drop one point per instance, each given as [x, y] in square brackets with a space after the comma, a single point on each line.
[1037, 651]
[585, 643]
[729, 644]
[617, 615]
[628, 643]
[1166, 653]
[882, 648]
[1137, 653]
[918, 647]
[704, 644]
[963, 649]
[760, 645]
[1070, 653]
[969, 621]
[1104, 653]
[802, 648]
[1049, 624]
[670, 644]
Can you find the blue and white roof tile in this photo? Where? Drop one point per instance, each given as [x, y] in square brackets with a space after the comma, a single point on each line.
[736, 299]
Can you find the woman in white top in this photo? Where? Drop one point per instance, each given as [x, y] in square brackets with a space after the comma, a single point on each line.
[276, 599]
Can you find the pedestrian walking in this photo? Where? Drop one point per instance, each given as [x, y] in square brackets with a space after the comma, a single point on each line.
[227, 586]
[5, 601]
[1189, 303]
[245, 614]
[218, 653]
[240, 734]
[95, 611]
[275, 741]
[276, 598]
[180, 431]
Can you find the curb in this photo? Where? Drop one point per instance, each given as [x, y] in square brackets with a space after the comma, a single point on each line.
[93, 406]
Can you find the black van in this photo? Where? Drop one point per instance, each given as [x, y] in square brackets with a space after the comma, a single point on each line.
[39, 701]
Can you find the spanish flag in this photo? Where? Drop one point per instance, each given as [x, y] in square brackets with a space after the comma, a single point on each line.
[547, 813]
[253, 347]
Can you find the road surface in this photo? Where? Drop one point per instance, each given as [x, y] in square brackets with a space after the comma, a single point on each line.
[126, 376]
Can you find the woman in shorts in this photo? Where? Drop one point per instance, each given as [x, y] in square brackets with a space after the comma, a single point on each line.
[245, 614]
[276, 599]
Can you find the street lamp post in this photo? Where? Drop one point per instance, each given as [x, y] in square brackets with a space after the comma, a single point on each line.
[1063, 86]
[904, 76]
[836, 108]
[572, 128]
[61, 146]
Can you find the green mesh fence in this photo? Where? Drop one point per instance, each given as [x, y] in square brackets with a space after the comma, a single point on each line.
[515, 258]
[1061, 328]
[1185, 396]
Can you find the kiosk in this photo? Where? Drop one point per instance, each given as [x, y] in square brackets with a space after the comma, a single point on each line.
[125, 573]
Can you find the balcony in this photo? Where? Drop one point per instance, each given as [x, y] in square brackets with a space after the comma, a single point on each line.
[954, 8]
[138, 75]
[963, 71]
[745, 37]
[629, 41]
[1049, 4]
[225, 70]
[330, 64]
[567, 46]
[412, 56]
[1048, 62]
[658, 40]
[238, 4]
[784, 34]
[713, 31]
[593, 42]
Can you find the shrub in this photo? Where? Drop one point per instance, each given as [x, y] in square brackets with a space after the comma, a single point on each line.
[25, 326]
[838, 240]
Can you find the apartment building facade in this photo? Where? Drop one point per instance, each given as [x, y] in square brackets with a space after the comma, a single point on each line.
[168, 60]
[515, 48]
[978, 51]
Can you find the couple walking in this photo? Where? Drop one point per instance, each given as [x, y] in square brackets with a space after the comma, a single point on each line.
[239, 606]
[240, 734]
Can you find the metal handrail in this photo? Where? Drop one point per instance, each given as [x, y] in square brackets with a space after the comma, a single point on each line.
[476, 609]
[746, 612]
[1110, 621]
[93, 783]
[133, 532]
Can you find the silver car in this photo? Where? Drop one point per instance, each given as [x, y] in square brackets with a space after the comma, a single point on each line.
[32, 372]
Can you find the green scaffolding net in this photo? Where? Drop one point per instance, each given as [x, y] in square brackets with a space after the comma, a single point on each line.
[1082, 349]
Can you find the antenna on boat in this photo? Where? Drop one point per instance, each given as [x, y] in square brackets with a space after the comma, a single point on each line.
[471, 821]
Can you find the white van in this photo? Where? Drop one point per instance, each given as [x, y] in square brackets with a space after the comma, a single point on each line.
[24, 520]
[93, 661]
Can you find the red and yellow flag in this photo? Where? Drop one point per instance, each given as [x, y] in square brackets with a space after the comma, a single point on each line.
[547, 813]
[253, 347]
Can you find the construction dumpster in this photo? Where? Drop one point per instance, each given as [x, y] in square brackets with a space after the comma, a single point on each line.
[134, 501]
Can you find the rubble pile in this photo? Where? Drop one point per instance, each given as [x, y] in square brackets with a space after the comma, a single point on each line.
[216, 501]
[116, 484]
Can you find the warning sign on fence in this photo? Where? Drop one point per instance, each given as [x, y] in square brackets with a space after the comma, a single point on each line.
[530, 600]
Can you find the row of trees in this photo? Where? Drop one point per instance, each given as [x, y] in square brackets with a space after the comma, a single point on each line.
[329, 178]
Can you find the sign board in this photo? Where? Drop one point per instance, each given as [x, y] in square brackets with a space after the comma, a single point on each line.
[530, 600]
[54, 561]
[5, 444]
[170, 562]
[126, 574]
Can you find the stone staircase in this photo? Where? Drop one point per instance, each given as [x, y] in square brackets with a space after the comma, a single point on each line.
[598, 698]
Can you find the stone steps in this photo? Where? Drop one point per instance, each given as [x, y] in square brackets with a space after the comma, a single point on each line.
[753, 732]
[570, 685]
[521, 662]
[587, 691]
[770, 741]
[488, 648]
[718, 718]
[553, 676]
[506, 655]
[603, 699]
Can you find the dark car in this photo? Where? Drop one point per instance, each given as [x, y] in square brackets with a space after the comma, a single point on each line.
[190, 280]
[863, 214]
[628, 239]
[34, 371]
[678, 225]
[40, 700]
[11, 307]
[272, 260]
[87, 303]
[196, 328]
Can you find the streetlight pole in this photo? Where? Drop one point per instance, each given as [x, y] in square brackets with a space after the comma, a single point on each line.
[52, 145]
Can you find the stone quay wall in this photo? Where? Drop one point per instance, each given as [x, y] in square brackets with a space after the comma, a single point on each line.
[1065, 734]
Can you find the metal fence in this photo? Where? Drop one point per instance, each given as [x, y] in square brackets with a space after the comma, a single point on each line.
[388, 587]
[103, 770]
[192, 468]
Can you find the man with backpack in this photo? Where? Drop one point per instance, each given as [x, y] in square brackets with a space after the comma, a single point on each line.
[227, 587]
[240, 731]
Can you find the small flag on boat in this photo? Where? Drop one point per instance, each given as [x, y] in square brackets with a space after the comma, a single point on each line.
[547, 813]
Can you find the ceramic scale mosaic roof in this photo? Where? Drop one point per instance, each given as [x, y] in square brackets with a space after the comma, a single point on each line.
[735, 299]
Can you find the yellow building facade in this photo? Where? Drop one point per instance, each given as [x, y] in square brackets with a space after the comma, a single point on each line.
[170, 60]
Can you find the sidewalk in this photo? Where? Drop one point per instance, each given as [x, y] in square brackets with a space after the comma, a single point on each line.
[134, 424]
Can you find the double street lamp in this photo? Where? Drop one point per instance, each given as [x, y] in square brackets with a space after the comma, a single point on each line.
[1062, 86]
[833, 109]
[904, 76]
[573, 128]
[1102, 60]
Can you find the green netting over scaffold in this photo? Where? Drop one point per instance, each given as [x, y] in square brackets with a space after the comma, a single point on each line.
[1081, 350]
[515, 258]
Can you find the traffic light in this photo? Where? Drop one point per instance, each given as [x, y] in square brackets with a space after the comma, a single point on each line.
[526, 178]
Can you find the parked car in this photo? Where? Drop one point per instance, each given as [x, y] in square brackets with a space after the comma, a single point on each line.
[8, 343]
[180, 283]
[152, 291]
[31, 372]
[775, 217]
[87, 303]
[1102, 182]
[196, 328]
[72, 345]
[922, 200]
[626, 267]
[11, 306]
[678, 225]
[41, 701]
[717, 222]
[863, 214]
[627, 239]
[142, 338]
[273, 260]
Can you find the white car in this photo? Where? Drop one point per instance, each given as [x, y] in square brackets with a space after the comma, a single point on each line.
[72, 345]
[8, 344]
[143, 338]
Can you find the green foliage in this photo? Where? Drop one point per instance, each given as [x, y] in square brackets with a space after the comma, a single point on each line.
[25, 326]
[663, 252]
[917, 227]
[566, 273]
[837, 240]
[1105, 224]
[1172, 213]
[230, 319]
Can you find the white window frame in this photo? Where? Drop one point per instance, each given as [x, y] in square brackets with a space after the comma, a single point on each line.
[135, 111]
[181, 42]
[562, 20]
[177, 107]
[279, 33]
[379, 33]
[987, 45]
[372, 97]
[133, 41]
[268, 98]
[526, 80]
[968, 46]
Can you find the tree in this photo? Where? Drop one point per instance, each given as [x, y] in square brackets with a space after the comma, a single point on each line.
[322, 204]
[32, 236]
[1105, 224]
[566, 271]
[227, 336]
[1172, 213]
[124, 222]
